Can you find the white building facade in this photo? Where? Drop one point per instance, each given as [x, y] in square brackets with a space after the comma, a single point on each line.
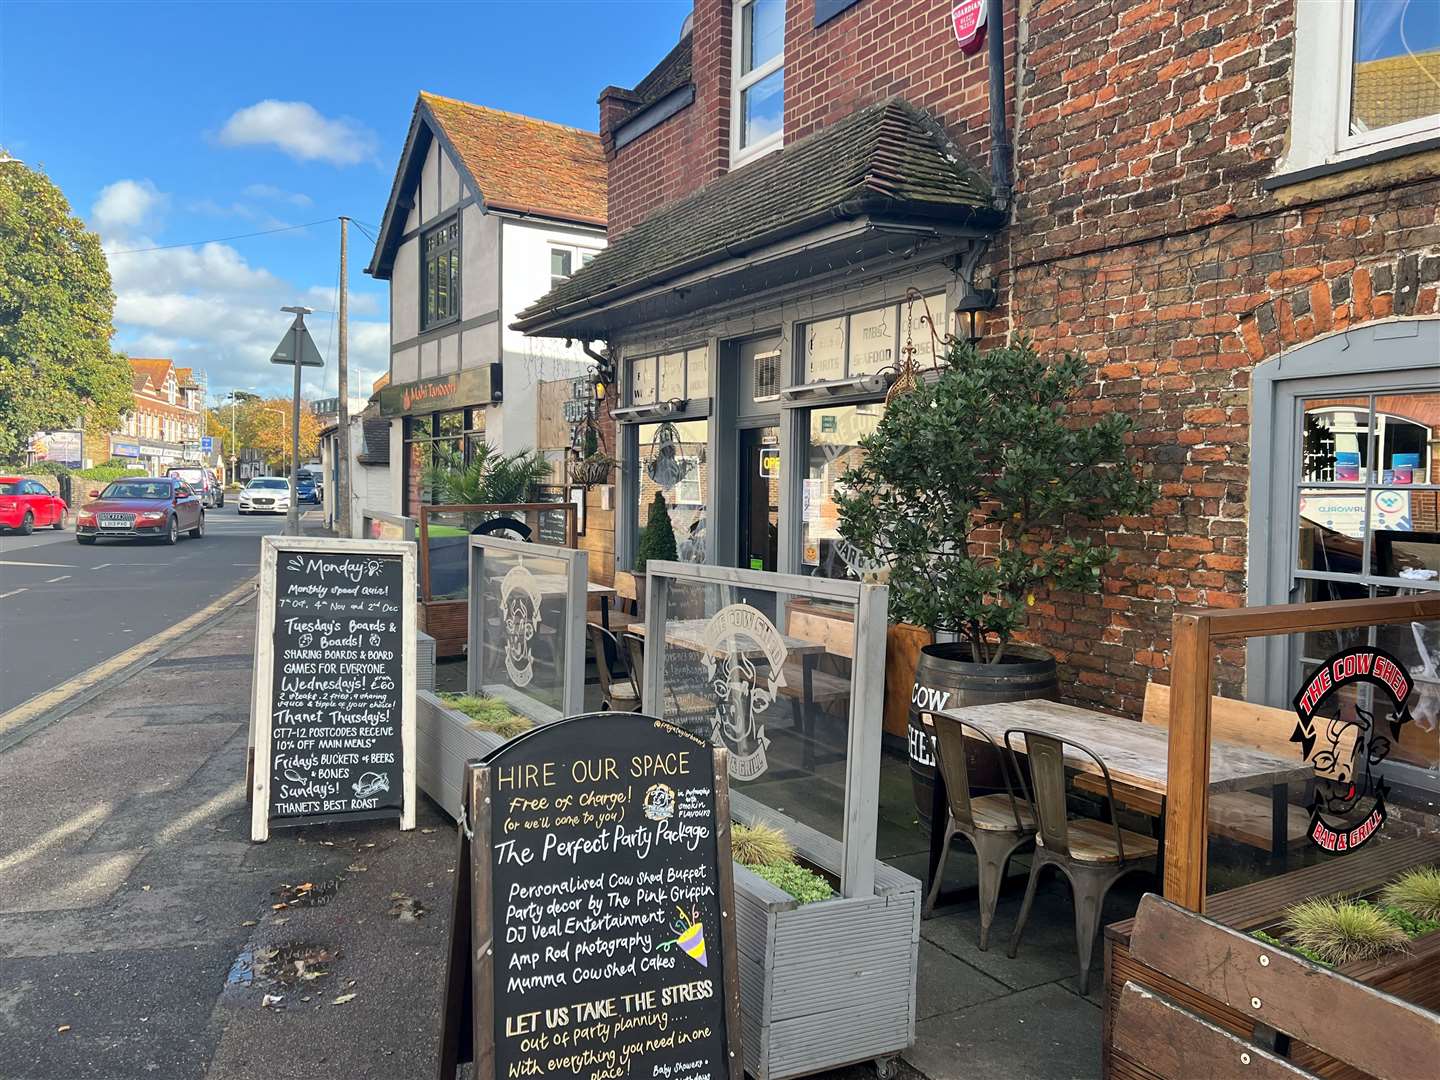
[488, 211]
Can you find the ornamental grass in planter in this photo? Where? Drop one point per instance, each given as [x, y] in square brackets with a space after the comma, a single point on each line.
[768, 852]
[488, 714]
[1416, 892]
[980, 488]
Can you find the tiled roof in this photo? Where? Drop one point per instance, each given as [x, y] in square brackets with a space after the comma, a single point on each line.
[376, 431]
[669, 75]
[153, 369]
[520, 163]
[890, 158]
[1397, 88]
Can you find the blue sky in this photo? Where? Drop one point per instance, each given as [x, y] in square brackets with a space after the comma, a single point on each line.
[171, 123]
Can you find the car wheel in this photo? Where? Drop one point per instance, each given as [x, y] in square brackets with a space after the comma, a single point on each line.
[199, 530]
[172, 535]
[58, 524]
[27, 524]
[85, 539]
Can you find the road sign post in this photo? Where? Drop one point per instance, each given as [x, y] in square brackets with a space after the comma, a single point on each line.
[298, 349]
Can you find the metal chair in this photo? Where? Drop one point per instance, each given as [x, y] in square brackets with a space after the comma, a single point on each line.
[618, 692]
[996, 825]
[1092, 855]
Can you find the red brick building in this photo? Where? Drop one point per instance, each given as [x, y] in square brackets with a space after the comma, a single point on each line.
[1230, 207]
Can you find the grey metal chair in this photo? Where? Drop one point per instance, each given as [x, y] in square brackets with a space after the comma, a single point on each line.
[618, 691]
[996, 825]
[1092, 855]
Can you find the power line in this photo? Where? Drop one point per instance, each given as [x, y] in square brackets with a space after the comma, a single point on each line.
[223, 239]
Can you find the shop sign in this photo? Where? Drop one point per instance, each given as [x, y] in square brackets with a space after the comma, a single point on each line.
[735, 637]
[473, 386]
[1345, 749]
[770, 463]
[125, 449]
[968, 18]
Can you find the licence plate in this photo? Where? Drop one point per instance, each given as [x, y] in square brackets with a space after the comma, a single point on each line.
[117, 521]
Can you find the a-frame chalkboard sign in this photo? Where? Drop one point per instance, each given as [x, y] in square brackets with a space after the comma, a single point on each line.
[333, 701]
[594, 924]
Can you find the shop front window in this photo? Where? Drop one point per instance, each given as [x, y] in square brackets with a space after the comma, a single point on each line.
[673, 462]
[832, 448]
[448, 439]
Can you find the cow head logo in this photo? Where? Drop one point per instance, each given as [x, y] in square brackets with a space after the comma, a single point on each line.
[1346, 748]
[745, 667]
[520, 612]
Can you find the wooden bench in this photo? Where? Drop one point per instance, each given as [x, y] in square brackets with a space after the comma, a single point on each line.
[1283, 999]
[1243, 816]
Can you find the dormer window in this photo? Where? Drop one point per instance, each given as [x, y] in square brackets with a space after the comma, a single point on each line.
[440, 274]
[757, 107]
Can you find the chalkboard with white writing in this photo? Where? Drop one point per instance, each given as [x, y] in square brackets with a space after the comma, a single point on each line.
[602, 875]
[336, 636]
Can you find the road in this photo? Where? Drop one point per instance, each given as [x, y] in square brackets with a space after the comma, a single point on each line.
[65, 607]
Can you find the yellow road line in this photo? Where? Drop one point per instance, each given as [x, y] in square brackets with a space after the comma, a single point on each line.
[49, 699]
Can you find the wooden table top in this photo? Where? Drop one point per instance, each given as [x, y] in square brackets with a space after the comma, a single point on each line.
[1136, 754]
[556, 584]
[690, 634]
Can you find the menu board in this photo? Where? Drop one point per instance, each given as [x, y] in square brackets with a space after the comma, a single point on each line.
[334, 715]
[606, 862]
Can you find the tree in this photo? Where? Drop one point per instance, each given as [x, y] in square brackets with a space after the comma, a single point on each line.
[657, 539]
[491, 476]
[56, 312]
[980, 488]
[264, 425]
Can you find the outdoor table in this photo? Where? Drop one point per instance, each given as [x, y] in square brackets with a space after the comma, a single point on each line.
[556, 584]
[1137, 756]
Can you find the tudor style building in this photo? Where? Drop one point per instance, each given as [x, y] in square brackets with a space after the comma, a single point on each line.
[1230, 207]
[488, 211]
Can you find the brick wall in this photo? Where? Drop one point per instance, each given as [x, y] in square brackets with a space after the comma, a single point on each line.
[1144, 239]
[874, 50]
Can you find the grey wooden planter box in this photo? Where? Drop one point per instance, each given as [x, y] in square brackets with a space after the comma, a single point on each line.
[444, 741]
[830, 983]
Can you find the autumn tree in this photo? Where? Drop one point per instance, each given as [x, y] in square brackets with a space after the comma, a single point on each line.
[56, 317]
[264, 424]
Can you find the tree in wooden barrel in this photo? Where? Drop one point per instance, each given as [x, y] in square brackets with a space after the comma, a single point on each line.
[980, 491]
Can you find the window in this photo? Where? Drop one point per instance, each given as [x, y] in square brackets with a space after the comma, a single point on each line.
[565, 260]
[832, 448]
[673, 462]
[676, 376]
[870, 341]
[1387, 94]
[440, 274]
[757, 107]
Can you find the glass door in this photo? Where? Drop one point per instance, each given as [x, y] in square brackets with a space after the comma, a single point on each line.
[759, 467]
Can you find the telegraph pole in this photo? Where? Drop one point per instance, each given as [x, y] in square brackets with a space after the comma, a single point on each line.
[292, 520]
[342, 442]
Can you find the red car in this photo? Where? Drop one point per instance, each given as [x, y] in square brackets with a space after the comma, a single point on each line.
[155, 506]
[27, 505]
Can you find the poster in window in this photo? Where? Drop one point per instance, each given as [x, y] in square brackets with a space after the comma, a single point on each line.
[642, 381]
[697, 373]
[672, 376]
[915, 327]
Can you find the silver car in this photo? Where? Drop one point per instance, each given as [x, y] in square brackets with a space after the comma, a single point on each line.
[266, 495]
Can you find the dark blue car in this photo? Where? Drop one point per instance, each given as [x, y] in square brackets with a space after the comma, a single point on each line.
[305, 488]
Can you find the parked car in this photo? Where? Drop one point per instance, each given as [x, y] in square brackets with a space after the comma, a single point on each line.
[27, 504]
[202, 481]
[266, 495]
[161, 507]
[306, 489]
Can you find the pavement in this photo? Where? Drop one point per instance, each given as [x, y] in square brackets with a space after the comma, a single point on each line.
[65, 607]
[143, 935]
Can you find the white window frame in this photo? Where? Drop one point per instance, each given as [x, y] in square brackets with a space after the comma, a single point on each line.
[580, 257]
[1321, 88]
[740, 83]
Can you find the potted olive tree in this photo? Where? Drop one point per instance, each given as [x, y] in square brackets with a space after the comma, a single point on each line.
[980, 489]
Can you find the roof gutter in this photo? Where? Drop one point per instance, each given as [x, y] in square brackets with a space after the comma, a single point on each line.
[849, 209]
[1000, 149]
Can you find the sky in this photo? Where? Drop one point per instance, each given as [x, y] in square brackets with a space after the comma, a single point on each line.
[179, 125]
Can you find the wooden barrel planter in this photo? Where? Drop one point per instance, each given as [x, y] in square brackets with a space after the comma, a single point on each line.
[946, 678]
[1413, 975]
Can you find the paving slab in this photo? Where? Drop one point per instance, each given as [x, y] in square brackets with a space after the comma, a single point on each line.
[1046, 1033]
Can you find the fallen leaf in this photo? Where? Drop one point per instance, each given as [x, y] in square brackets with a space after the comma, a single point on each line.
[144, 888]
[66, 1027]
[357, 868]
[342, 999]
[427, 832]
[278, 907]
[271, 999]
[328, 843]
[248, 922]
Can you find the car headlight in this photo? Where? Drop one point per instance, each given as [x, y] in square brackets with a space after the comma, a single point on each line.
[152, 515]
[87, 517]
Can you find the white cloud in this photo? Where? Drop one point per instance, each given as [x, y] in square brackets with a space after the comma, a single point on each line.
[301, 131]
[275, 194]
[125, 205]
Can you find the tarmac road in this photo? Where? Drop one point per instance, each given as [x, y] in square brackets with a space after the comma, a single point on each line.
[65, 607]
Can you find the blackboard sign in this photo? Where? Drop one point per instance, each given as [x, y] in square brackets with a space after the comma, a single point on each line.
[602, 875]
[335, 664]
